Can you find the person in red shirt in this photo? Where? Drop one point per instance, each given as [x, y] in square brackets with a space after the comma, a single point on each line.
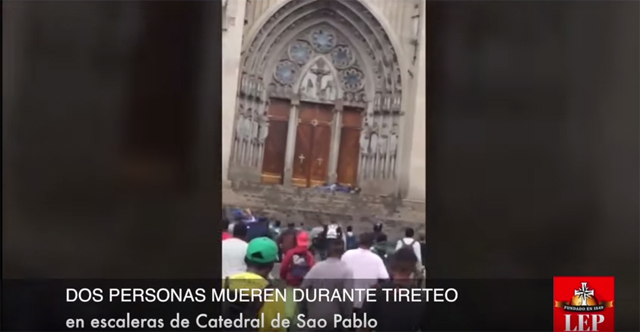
[225, 229]
[298, 261]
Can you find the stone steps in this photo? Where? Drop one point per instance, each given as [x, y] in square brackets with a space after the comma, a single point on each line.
[312, 206]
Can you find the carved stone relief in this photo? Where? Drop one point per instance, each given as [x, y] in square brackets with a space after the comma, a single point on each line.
[351, 59]
[318, 83]
[335, 73]
[379, 147]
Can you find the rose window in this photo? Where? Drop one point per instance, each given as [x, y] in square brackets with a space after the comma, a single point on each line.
[300, 52]
[342, 57]
[286, 72]
[352, 79]
[323, 40]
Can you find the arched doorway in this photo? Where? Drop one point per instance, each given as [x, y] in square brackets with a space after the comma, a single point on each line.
[320, 99]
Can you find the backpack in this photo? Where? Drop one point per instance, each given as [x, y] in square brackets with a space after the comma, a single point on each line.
[300, 265]
[248, 310]
[258, 229]
[334, 232]
[408, 245]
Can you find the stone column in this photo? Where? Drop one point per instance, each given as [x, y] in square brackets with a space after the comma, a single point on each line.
[417, 158]
[335, 142]
[231, 56]
[291, 142]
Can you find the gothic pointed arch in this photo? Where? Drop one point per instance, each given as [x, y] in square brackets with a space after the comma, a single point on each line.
[334, 52]
[318, 80]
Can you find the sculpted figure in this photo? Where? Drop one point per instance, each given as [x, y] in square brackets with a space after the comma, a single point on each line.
[374, 142]
[393, 149]
[364, 139]
[255, 128]
[329, 92]
[393, 142]
[246, 127]
[310, 89]
[382, 140]
[239, 127]
[264, 131]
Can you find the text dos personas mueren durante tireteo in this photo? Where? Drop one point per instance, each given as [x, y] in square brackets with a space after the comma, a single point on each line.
[207, 320]
[200, 295]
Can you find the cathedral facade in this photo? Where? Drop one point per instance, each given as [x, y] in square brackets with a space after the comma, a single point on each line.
[325, 91]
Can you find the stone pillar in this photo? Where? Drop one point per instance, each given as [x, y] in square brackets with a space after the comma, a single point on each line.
[335, 142]
[232, 47]
[291, 142]
[416, 176]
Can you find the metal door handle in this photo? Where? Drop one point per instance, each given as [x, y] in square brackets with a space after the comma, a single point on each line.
[301, 157]
[319, 161]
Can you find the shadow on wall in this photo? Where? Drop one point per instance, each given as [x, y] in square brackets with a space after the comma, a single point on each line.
[101, 153]
[534, 142]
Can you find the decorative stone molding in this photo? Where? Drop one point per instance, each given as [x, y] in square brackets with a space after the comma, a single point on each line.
[332, 52]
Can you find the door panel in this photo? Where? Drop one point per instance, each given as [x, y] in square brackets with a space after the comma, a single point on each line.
[320, 154]
[324, 113]
[349, 153]
[349, 156]
[302, 155]
[279, 108]
[307, 113]
[276, 143]
[274, 152]
[352, 118]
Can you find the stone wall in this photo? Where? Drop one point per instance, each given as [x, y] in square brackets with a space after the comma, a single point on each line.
[311, 206]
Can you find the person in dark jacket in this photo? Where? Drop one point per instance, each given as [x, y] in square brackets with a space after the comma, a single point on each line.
[352, 240]
[377, 231]
[381, 247]
[331, 231]
[287, 239]
[258, 228]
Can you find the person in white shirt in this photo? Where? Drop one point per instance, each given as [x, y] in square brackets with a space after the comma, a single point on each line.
[409, 241]
[368, 268]
[234, 251]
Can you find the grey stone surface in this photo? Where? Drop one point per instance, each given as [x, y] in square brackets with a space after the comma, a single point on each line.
[311, 206]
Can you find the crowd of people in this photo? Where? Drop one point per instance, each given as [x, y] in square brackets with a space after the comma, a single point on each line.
[325, 257]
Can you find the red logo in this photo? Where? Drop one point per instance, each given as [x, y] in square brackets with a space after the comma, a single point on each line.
[583, 304]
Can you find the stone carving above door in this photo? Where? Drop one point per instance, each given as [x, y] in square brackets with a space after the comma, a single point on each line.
[330, 51]
[318, 84]
[334, 75]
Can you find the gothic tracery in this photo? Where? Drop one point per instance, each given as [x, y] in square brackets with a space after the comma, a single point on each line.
[323, 51]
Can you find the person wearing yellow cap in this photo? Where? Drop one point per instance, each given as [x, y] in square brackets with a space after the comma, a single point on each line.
[262, 253]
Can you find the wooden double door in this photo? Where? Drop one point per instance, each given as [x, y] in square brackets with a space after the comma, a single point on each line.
[313, 145]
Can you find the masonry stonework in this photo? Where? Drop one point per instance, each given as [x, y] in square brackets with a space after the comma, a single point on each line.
[387, 42]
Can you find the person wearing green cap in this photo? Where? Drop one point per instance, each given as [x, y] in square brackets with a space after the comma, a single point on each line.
[262, 253]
